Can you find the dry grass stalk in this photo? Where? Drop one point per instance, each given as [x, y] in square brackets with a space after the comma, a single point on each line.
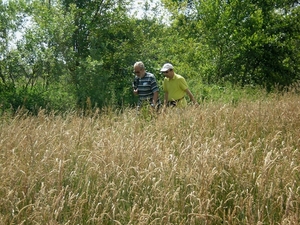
[216, 164]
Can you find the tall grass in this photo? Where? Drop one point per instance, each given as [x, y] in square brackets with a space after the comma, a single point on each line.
[214, 164]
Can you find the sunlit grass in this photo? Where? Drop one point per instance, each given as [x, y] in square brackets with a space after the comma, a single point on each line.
[214, 164]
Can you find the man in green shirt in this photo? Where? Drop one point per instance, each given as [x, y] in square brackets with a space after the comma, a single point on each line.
[175, 88]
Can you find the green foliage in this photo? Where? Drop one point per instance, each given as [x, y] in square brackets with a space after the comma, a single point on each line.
[8, 97]
[252, 46]
[146, 112]
[91, 46]
[243, 42]
[32, 100]
[225, 93]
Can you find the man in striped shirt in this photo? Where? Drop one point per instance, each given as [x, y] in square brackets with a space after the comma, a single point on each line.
[145, 86]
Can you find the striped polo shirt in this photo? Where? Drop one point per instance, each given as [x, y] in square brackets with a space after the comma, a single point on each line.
[146, 85]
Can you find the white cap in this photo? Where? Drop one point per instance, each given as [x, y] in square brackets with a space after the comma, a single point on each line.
[166, 67]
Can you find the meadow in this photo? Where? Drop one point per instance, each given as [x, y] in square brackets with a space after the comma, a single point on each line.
[219, 163]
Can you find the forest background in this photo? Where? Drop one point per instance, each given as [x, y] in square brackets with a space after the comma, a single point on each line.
[78, 54]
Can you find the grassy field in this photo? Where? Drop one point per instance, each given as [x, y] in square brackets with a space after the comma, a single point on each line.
[219, 163]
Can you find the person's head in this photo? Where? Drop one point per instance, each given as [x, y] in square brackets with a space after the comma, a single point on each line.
[139, 69]
[167, 70]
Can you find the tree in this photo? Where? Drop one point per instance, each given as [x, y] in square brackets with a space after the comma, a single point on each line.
[34, 63]
[245, 42]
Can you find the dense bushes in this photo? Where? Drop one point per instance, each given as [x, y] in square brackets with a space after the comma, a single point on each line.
[79, 54]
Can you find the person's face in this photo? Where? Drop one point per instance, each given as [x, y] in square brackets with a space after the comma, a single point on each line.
[168, 73]
[139, 72]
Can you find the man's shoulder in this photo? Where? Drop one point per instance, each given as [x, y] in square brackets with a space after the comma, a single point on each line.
[178, 76]
[149, 74]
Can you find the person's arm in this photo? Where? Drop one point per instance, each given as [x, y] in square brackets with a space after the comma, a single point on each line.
[166, 98]
[135, 84]
[155, 98]
[189, 93]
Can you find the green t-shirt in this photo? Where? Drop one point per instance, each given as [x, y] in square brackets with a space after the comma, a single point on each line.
[176, 88]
